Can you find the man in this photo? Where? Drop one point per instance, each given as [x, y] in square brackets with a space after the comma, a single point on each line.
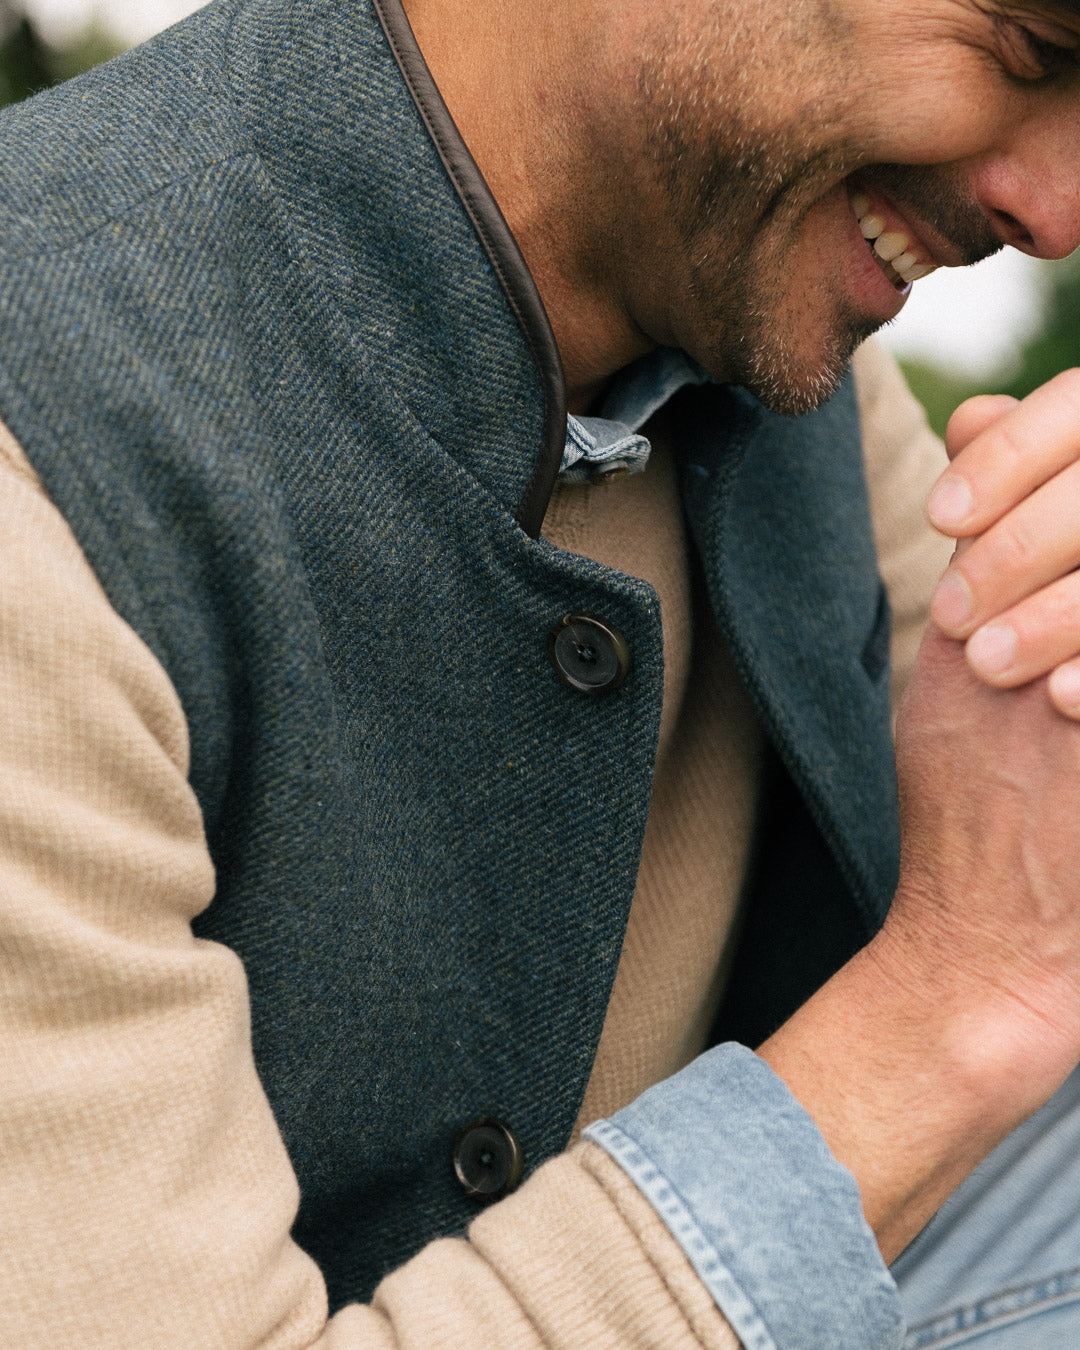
[303, 648]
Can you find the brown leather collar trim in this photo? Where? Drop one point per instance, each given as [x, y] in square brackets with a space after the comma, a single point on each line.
[502, 250]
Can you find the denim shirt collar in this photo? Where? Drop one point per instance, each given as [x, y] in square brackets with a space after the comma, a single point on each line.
[609, 445]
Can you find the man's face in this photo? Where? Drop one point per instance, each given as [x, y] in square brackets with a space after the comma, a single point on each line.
[781, 132]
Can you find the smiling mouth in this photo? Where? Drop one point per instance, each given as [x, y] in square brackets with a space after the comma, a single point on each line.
[898, 253]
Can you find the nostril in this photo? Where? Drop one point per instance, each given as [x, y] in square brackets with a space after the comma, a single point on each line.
[1011, 231]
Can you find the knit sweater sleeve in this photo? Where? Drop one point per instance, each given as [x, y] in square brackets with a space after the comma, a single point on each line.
[148, 1196]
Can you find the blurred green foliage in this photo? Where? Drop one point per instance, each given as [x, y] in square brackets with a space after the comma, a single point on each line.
[1057, 344]
[28, 63]
[25, 61]
[1055, 347]
[939, 389]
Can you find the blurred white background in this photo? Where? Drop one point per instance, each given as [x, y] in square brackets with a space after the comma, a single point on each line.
[970, 319]
[130, 20]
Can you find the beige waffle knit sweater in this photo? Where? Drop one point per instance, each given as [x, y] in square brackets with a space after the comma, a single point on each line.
[146, 1194]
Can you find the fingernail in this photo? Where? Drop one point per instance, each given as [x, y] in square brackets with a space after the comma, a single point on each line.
[1065, 687]
[992, 650]
[950, 504]
[952, 603]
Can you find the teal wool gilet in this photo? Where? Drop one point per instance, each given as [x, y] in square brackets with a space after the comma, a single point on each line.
[259, 338]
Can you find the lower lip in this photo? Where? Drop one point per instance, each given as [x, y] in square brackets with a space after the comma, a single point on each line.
[880, 297]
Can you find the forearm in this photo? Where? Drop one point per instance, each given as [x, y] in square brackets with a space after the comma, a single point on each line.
[577, 1257]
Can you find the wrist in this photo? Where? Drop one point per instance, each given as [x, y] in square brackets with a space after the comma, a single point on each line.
[911, 1076]
[998, 1003]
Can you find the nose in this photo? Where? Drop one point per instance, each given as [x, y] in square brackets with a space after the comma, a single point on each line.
[1031, 191]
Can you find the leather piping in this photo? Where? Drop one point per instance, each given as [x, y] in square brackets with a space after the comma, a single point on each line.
[502, 250]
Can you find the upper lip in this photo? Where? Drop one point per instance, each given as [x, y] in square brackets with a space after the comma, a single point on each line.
[939, 250]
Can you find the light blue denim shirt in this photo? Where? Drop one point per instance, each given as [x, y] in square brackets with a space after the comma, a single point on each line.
[771, 1222]
[735, 1167]
[609, 444]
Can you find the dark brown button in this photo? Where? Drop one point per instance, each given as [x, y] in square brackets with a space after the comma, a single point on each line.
[588, 654]
[487, 1159]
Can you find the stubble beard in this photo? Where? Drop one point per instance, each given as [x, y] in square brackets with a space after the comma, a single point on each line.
[768, 364]
[740, 192]
[767, 349]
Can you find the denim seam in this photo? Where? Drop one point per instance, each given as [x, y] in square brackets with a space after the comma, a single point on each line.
[973, 1320]
[576, 432]
[678, 1218]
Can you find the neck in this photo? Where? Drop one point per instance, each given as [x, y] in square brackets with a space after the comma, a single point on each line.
[521, 87]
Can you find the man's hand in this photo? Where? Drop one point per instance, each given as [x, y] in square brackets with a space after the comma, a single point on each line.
[1012, 497]
[989, 895]
[963, 1015]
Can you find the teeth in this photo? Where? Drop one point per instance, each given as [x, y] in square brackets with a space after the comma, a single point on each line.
[891, 245]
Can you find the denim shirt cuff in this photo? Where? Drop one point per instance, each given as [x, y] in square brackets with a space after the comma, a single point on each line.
[771, 1222]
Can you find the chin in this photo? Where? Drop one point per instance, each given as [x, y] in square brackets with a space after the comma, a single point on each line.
[788, 345]
[797, 377]
[794, 397]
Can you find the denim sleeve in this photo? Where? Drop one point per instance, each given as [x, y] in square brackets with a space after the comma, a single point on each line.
[768, 1218]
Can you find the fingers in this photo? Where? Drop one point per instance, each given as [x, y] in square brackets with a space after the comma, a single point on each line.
[1011, 496]
[1034, 545]
[1037, 636]
[1064, 686]
[972, 417]
[1003, 453]
[1014, 593]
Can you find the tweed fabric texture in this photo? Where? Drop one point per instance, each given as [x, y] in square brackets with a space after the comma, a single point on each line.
[147, 1194]
[250, 342]
[778, 511]
[704, 801]
[181, 1216]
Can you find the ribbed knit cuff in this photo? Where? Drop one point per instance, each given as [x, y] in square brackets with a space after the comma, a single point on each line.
[770, 1221]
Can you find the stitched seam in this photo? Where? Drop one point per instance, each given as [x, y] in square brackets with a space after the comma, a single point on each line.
[747, 660]
[1011, 1305]
[746, 1321]
[472, 202]
[479, 224]
[676, 1298]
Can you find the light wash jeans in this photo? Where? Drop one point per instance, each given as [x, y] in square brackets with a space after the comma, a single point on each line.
[999, 1267]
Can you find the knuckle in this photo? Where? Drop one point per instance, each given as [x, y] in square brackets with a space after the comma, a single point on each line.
[1066, 386]
[1047, 626]
[1008, 551]
[1060, 606]
[1011, 448]
[1068, 378]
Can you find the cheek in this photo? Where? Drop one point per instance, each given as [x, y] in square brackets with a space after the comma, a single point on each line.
[940, 120]
[930, 86]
